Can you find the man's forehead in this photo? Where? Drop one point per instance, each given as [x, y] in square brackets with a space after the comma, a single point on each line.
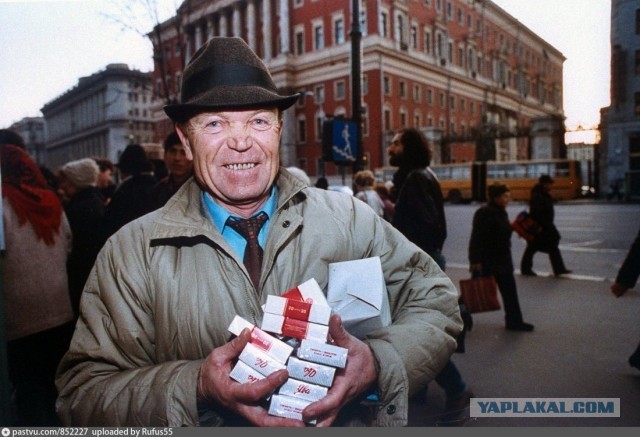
[235, 115]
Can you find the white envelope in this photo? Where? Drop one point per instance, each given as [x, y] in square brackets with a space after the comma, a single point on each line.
[357, 292]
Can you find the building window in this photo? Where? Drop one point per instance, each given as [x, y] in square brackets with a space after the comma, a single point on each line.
[403, 118]
[430, 96]
[299, 42]
[637, 104]
[452, 102]
[319, 122]
[365, 85]
[363, 22]
[338, 31]
[442, 100]
[318, 32]
[340, 90]
[414, 37]
[302, 130]
[384, 26]
[403, 89]
[387, 120]
[637, 62]
[637, 21]
[319, 94]
[387, 86]
[427, 42]
[416, 93]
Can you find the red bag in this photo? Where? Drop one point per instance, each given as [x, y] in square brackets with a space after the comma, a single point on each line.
[525, 226]
[480, 294]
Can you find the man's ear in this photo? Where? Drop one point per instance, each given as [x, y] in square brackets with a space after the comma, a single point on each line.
[185, 141]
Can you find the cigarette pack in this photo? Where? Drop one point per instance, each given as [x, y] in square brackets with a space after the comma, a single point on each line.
[259, 360]
[309, 291]
[303, 390]
[311, 372]
[262, 340]
[323, 353]
[287, 406]
[242, 373]
[297, 309]
[289, 327]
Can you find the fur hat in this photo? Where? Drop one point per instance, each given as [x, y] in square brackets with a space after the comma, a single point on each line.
[496, 190]
[545, 179]
[225, 74]
[133, 160]
[82, 173]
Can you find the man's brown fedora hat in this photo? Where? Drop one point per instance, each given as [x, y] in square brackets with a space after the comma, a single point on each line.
[225, 74]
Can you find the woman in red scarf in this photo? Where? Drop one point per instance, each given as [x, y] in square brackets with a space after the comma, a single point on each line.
[38, 310]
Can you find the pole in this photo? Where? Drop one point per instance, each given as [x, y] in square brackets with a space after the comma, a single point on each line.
[356, 82]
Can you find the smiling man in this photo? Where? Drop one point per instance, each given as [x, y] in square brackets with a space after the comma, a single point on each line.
[152, 347]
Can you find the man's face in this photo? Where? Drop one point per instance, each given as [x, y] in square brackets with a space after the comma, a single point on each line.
[176, 160]
[235, 155]
[395, 150]
[105, 178]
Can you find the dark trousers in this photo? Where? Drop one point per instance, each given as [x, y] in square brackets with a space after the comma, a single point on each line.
[557, 264]
[508, 291]
[451, 380]
[32, 366]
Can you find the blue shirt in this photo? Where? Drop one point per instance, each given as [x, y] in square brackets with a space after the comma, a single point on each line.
[235, 240]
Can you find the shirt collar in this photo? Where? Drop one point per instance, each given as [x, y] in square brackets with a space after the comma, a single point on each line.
[219, 214]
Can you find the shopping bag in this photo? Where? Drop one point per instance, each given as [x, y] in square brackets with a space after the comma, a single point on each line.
[480, 294]
[525, 226]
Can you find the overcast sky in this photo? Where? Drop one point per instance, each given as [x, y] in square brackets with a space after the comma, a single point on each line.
[47, 45]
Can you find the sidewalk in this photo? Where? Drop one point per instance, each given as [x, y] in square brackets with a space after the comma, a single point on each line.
[579, 349]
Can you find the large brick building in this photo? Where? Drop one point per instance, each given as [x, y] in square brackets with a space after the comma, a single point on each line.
[474, 78]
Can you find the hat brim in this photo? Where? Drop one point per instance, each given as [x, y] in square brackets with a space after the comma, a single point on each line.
[231, 99]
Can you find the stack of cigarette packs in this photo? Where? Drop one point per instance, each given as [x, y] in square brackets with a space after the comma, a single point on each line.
[299, 321]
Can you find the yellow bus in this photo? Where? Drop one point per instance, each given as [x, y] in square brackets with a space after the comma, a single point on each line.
[463, 182]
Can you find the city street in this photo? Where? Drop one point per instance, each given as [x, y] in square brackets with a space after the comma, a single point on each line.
[583, 334]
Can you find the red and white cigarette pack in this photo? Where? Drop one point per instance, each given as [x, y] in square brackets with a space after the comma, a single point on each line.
[276, 348]
[303, 390]
[309, 292]
[298, 309]
[288, 406]
[323, 353]
[259, 360]
[314, 373]
[242, 373]
[289, 327]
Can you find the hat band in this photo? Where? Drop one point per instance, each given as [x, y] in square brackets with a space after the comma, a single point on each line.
[225, 75]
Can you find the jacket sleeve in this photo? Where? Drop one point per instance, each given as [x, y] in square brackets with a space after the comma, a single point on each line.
[111, 375]
[425, 318]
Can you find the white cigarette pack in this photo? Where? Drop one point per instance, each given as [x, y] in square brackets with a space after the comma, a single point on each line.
[262, 340]
[259, 360]
[323, 353]
[303, 390]
[314, 373]
[242, 373]
[287, 406]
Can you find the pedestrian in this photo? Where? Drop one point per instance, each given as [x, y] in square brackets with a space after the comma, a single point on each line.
[105, 184]
[548, 239]
[389, 207]
[626, 279]
[419, 215]
[178, 166]
[133, 196]
[85, 211]
[364, 181]
[37, 310]
[490, 252]
[152, 346]
[322, 183]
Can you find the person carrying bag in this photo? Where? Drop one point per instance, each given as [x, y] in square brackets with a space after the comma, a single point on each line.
[490, 252]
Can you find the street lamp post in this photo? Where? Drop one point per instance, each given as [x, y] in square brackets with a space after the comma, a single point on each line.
[356, 96]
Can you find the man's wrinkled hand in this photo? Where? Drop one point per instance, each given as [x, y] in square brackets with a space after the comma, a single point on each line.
[216, 388]
[358, 376]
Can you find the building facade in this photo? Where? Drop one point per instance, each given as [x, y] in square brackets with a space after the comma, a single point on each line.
[100, 116]
[468, 74]
[620, 122]
[33, 131]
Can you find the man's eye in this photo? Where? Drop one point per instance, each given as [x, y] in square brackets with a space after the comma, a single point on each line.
[213, 124]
